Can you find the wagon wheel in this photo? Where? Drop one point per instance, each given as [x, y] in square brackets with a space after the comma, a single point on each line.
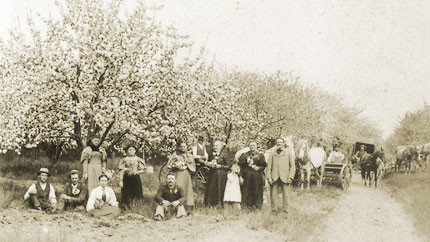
[201, 177]
[164, 170]
[346, 178]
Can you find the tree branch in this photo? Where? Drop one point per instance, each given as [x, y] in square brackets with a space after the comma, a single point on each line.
[107, 130]
[271, 123]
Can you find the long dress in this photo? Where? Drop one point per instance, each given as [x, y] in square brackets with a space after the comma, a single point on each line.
[92, 161]
[182, 164]
[215, 186]
[132, 184]
[253, 181]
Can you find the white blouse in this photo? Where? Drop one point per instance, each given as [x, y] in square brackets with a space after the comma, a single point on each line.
[97, 192]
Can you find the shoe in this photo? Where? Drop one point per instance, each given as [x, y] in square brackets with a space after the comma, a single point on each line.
[158, 218]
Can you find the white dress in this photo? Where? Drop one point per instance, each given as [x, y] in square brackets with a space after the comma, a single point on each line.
[232, 188]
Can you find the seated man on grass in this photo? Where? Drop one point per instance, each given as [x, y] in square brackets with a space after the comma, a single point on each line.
[170, 199]
[74, 195]
[41, 195]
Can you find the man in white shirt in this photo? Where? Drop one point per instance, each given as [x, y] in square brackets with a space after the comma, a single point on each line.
[199, 151]
[41, 194]
[336, 156]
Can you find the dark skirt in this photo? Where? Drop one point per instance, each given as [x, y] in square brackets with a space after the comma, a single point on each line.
[132, 189]
[252, 188]
[215, 187]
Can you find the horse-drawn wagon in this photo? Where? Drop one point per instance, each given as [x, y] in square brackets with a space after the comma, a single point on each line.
[338, 172]
[370, 162]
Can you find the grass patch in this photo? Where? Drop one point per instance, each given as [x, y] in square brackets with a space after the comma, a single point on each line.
[413, 191]
[12, 194]
[308, 208]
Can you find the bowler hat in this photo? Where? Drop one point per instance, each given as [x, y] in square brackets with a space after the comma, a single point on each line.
[72, 172]
[44, 170]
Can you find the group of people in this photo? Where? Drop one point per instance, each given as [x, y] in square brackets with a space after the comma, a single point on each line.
[93, 193]
[100, 203]
[238, 181]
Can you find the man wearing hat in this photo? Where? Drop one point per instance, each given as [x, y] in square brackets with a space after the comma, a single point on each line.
[360, 156]
[74, 195]
[336, 156]
[41, 193]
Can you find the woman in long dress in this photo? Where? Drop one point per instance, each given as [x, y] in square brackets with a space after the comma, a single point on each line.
[182, 163]
[102, 201]
[252, 164]
[220, 163]
[94, 161]
[130, 169]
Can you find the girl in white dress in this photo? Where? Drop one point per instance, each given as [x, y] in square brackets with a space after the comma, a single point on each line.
[232, 192]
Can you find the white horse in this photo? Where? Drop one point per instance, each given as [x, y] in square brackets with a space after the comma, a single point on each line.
[303, 162]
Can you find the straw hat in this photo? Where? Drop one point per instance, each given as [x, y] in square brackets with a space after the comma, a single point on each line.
[43, 170]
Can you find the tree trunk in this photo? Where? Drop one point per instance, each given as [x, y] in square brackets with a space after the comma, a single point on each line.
[53, 151]
[78, 134]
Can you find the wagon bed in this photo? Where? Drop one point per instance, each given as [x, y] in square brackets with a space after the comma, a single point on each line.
[339, 173]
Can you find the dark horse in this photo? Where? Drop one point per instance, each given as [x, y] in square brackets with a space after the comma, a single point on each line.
[373, 165]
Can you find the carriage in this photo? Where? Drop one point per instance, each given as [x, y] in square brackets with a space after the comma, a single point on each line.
[342, 172]
[370, 149]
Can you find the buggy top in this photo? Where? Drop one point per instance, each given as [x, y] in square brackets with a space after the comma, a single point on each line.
[370, 148]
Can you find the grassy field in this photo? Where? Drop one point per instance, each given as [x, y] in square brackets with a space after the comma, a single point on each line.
[414, 193]
[308, 207]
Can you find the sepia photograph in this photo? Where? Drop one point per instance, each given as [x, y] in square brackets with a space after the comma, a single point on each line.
[215, 120]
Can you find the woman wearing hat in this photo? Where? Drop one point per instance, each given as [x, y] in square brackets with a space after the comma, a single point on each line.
[93, 160]
[41, 193]
[182, 163]
[130, 169]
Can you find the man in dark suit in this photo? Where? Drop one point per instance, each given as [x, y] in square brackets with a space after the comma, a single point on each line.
[170, 198]
[280, 173]
[74, 195]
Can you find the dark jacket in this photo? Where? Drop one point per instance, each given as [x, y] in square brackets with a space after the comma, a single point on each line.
[164, 193]
[76, 198]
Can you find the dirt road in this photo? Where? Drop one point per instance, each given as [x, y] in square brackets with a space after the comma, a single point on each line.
[366, 214]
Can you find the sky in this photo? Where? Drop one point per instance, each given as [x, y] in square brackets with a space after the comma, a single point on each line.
[373, 53]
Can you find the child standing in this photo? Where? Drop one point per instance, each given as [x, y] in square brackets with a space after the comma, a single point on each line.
[232, 192]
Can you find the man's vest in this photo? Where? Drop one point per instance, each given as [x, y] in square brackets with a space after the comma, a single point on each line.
[43, 194]
[200, 151]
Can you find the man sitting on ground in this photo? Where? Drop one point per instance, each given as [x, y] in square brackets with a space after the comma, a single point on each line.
[41, 194]
[74, 196]
[170, 199]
